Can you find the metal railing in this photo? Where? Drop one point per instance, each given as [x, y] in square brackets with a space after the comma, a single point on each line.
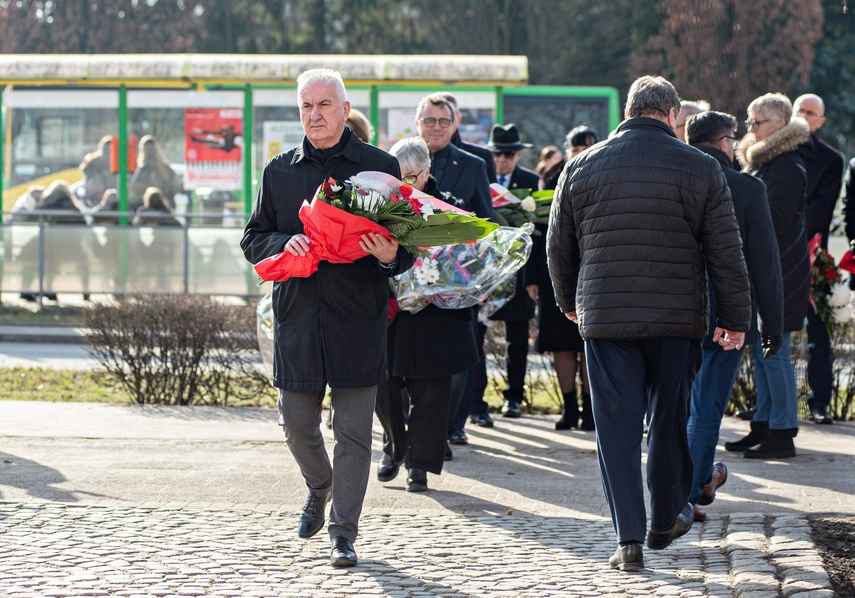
[56, 251]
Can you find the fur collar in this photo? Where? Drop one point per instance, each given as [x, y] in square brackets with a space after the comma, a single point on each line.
[753, 154]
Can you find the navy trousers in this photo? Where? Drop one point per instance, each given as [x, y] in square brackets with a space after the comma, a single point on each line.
[819, 370]
[629, 378]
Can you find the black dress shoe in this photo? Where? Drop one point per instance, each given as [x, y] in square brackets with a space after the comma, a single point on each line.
[511, 409]
[312, 516]
[448, 454]
[458, 437]
[417, 481]
[821, 416]
[387, 469]
[658, 539]
[482, 420]
[343, 554]
[628, 558]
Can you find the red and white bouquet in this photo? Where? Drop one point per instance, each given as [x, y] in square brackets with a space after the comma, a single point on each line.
[342, 211]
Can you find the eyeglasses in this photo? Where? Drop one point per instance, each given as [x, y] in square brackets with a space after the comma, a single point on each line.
[430, 122]
[411, 178]
[508, 155]
[733, 140]
[756, 123]
[810, 113]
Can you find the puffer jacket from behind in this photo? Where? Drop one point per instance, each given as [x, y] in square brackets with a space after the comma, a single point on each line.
[637, 223]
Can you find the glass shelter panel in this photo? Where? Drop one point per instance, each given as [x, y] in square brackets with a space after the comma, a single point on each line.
[546, 120]
[54, 133]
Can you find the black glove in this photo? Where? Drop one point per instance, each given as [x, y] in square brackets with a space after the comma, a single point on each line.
[771, 345]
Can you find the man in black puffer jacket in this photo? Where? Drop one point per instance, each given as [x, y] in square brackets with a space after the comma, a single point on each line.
[637, 221]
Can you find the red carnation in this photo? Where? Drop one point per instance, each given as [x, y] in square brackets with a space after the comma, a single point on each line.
[394, 198]
[406, 190]
[416, 205]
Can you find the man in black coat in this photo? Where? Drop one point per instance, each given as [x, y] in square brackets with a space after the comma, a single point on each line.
[634, 220]
[464, 176]
[507, 149]
[714, 133]
[330, 328]
[476, 150]
[824, 174]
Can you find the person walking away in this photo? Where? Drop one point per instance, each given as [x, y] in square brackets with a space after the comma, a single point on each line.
[626, 258]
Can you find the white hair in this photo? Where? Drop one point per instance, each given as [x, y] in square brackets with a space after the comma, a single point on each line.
[412, 153]
[324, 76]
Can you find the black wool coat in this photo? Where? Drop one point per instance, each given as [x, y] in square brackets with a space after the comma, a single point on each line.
[478, 150]
[824, 176]
[759, 247]
[465, 177]
[779, 161]
[330, 328]
[521, 306]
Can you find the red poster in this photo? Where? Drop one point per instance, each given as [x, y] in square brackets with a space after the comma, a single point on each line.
[213, 148]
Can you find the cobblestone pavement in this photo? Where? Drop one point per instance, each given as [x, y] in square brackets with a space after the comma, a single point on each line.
[100, 500]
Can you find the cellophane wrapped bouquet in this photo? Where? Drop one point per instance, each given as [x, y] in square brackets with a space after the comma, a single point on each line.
[464, 275]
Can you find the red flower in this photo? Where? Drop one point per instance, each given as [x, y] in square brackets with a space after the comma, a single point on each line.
[416, 205]
[394, 198]
[406, 190]
[327, 186]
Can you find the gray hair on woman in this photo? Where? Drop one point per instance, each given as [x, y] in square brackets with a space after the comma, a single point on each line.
[412, 153]
[324, 76]
[773, 105]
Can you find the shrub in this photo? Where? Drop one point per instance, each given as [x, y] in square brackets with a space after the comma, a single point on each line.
[177, 349]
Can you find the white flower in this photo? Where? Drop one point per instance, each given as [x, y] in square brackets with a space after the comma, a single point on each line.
[528, 204]
[370, 194]
[427, 272]
[839, 295]
[427, 209]
[335, 188]
[842, 314]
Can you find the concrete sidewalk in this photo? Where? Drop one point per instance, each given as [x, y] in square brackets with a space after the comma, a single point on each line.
[155, 501]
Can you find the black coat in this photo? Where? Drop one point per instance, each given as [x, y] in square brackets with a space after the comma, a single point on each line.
[331, 326]
[778, 161]
[758, 246]
[521, 306]
[478, 150]
[824, 175]
[848, 198]
[634, 221]
[465, 177]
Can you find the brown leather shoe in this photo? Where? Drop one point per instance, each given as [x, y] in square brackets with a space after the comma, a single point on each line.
[699, 514]
[719, 477]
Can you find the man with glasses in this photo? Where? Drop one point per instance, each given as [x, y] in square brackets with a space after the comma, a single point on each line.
[464, 176]
[507, 149]
[714, 133]
[478, 150]
[824, 175]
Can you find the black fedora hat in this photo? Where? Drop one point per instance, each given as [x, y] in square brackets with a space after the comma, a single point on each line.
[506, 139]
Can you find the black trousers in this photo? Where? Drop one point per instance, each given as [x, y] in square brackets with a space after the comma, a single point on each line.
[628, 379]
[419, 436]
[516, 334]
[820, 374]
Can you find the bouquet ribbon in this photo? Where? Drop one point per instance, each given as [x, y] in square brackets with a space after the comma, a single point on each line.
[335, 236]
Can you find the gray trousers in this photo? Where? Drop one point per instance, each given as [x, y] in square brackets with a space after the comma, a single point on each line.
[353, 414]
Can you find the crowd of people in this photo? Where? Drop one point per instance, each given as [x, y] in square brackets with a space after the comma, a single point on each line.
[671, 246]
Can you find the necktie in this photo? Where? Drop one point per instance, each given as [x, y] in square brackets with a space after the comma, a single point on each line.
[503, 181]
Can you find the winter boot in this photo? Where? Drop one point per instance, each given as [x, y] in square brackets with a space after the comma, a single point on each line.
[778, 445]
[587, 413]
[570, 413]
[755, 437]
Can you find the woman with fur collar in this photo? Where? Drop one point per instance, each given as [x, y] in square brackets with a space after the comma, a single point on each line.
[775, 150]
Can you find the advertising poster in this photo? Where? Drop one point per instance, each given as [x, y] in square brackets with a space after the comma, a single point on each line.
[213, 148]
[280, 136]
